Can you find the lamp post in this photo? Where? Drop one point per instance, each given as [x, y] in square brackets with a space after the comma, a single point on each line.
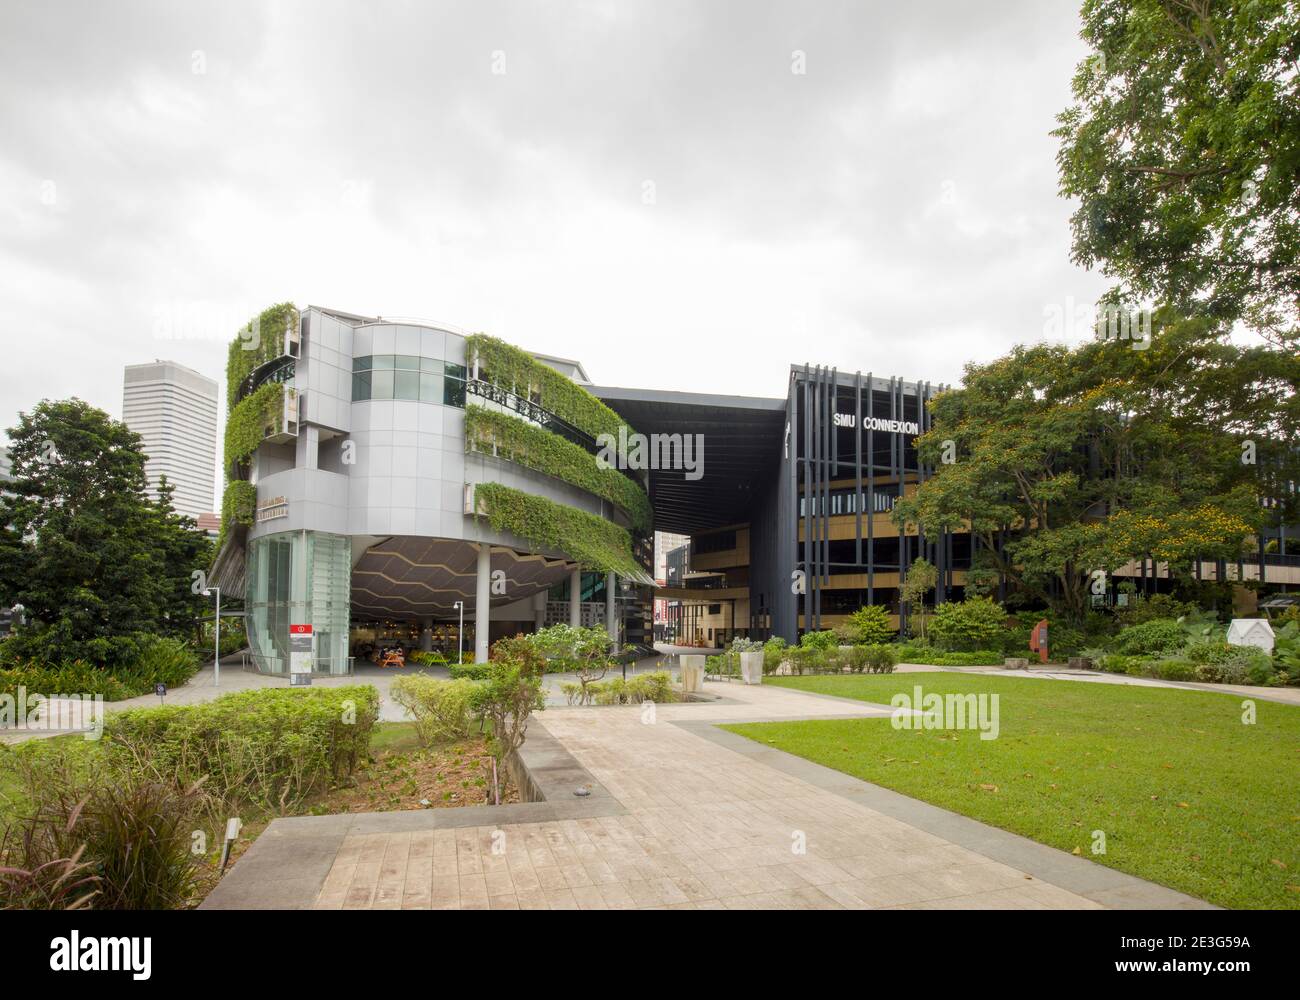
[216, 621]
[460, 633]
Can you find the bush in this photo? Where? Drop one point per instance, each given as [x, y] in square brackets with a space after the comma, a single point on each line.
[807, 659]
[1175, 670]
[1144, 609]
[880, 658]
[826, 639]
[774, 654]
[870, 625]
[1160, 635]
[426, 658]
[938, 658]
[977, 623]
[507, 700]
[170, 661]
[469, 671]
[440, 708]
[268, 748]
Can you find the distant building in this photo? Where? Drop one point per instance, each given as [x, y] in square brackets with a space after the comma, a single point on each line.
[6, 466]
[174, 410]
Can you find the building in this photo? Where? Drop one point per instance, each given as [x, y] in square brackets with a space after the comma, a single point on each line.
[389, 481]
[174, 410]
[6, 466]
[386, 478]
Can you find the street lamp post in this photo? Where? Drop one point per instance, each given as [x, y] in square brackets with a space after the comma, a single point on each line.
[216, 621]
[460, 633]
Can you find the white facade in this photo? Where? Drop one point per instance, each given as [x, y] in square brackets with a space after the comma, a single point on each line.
[174, 410]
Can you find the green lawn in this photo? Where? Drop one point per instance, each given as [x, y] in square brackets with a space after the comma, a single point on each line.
[1187, 794]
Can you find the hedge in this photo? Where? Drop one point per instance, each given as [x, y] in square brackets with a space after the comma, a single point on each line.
[516, 370]
[269, 747]
[591, 541]
[269, 345]
[515, 440]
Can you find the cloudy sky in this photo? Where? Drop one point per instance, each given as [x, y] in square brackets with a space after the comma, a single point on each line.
[650, 187]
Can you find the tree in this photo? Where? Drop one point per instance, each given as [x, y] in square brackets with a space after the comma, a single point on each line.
[95, 564]
[1072, 461]
[1183, 148]
[183, 549]
[921, 579]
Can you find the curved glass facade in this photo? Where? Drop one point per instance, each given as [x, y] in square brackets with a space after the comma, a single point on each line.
[293, 577]
[405, 376]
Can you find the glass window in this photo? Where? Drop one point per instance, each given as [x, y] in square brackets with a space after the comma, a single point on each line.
[431, 388]
[360, 386]
[406, 362]
[432, 365]
[406, 385]
[455, 371]
[361, 364]
[382, 361]
[381, 385]
[453, 392]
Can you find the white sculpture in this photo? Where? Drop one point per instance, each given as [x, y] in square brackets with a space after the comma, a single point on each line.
[1251, 632]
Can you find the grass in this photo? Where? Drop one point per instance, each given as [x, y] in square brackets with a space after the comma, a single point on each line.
[1185, 793]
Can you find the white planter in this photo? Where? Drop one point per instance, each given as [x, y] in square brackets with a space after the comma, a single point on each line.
[692, 673]
[751, 667]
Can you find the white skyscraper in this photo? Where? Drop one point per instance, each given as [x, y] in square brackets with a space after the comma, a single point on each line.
[174, 409]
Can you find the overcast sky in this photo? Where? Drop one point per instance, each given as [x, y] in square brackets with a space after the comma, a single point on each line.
[648, 187]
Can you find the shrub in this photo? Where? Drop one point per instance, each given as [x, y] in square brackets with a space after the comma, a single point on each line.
[774, 654]
[940, 658]
[268, 748]
[427, 658]
[1175, 670]
[656, 686]
[1144, 609]
[880, 658]
[870, 625]
[440, 708]
[1160, 635]
[169, 661]
[468, 671]
[807, 659]
[977, 623]
[825, 639]
[507, 699]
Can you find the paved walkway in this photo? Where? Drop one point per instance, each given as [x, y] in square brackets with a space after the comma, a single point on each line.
[683, 815]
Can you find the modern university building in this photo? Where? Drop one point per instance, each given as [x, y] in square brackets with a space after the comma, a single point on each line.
[388, 479]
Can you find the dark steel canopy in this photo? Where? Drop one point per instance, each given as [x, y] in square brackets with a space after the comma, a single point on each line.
[742, 439]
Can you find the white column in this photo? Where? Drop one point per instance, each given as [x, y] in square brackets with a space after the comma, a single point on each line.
[611, 619]
[482, 601]
[426, 634]
[575, 598]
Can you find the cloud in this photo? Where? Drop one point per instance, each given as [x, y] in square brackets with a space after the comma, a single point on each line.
[647, 186]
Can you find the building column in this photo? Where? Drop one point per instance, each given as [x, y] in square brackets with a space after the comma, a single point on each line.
[575, 598]
[611, 618]
[482, 603]
[426, 634]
